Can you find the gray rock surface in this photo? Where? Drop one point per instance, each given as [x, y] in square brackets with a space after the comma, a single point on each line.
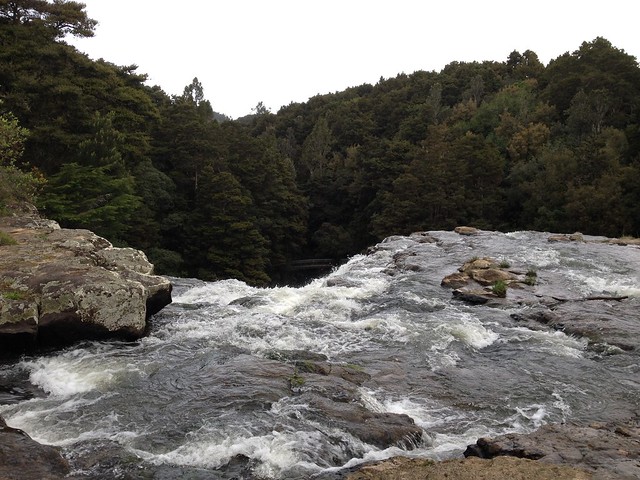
[606, 451]
[58, 286]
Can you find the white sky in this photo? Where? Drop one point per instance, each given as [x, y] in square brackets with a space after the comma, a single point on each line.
[283, 51]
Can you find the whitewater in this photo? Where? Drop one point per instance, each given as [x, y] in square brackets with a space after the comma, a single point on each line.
[209, 393]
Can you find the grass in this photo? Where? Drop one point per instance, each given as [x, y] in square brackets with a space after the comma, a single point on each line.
[531, 277]
[6, 239]
[353, 366]
[14, 295]
[499, 289]
[296, 380]
[504, 263]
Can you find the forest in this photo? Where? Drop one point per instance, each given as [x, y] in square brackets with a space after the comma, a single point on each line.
[509, 145]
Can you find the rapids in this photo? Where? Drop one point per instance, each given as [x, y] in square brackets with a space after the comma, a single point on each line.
[196, 397]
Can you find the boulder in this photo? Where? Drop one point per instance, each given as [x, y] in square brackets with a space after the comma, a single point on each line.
[381, 429]
[478, 264]
[489, 276]
[22, 458]
[474, 298]
[58, 286]
[470, 281]
[574, 237]
[455, 280]
[330, 393]
[462, 230]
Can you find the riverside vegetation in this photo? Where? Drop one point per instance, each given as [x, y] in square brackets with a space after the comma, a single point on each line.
[501, 145]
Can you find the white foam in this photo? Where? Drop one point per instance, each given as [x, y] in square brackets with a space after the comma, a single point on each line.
[275, 452]
[554, 342]
[537, 257]
[316, 316]
[41, 418]
[221, 292]
[467, 329]
[608, 285]
[76, 372]
[529, 418]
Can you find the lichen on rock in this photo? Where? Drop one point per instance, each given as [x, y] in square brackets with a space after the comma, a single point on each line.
[58, 286]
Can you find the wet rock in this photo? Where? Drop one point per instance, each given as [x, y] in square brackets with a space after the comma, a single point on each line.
[402, 261]
[574, 237]
[380, 429]
[472, 298]
[478, 264]
[601, 322]
[479, 271]
[606, 451]
[23, 458]
[296, 355]
[58, 286]
[423, 237]
[333, 388]
[455, 280]
[501, 468]
[463, 230]
[340, 282]
[258, 382]
[489, 276]
[249, 301]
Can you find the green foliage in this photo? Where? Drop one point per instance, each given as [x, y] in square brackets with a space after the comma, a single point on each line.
[16, 185]
[504, 263]
[6, 239]
[499, 289]
[98, 192]
[12, 138]
[224, 240]
[500, 145]
[14, 295]
[60, 17]
[166, 262]
[296, 381]
[531, 277]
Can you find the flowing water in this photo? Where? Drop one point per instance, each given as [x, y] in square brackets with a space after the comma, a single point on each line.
[196, 398]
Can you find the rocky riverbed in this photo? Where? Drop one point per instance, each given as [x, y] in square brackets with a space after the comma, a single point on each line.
[388, 355]
[610, 323]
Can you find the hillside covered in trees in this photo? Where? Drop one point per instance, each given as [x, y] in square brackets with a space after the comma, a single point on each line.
[498, 145]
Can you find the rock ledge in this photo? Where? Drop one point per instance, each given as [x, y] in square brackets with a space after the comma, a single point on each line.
[58, 286]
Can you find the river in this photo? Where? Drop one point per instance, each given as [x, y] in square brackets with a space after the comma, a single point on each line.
[206, 394]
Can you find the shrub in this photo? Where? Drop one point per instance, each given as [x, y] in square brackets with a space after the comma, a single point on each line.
[499, 289]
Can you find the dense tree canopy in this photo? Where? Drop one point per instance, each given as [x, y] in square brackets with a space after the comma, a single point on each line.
[500, 145]
[59, 17]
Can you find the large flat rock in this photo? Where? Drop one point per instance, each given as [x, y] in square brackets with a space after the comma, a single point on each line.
[58, 286]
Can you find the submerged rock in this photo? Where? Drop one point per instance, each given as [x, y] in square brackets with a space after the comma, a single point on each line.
[58, 286]
[609, 325]
[381, 429]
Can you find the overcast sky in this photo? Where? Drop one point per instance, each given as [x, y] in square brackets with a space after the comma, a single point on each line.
[283, 51]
